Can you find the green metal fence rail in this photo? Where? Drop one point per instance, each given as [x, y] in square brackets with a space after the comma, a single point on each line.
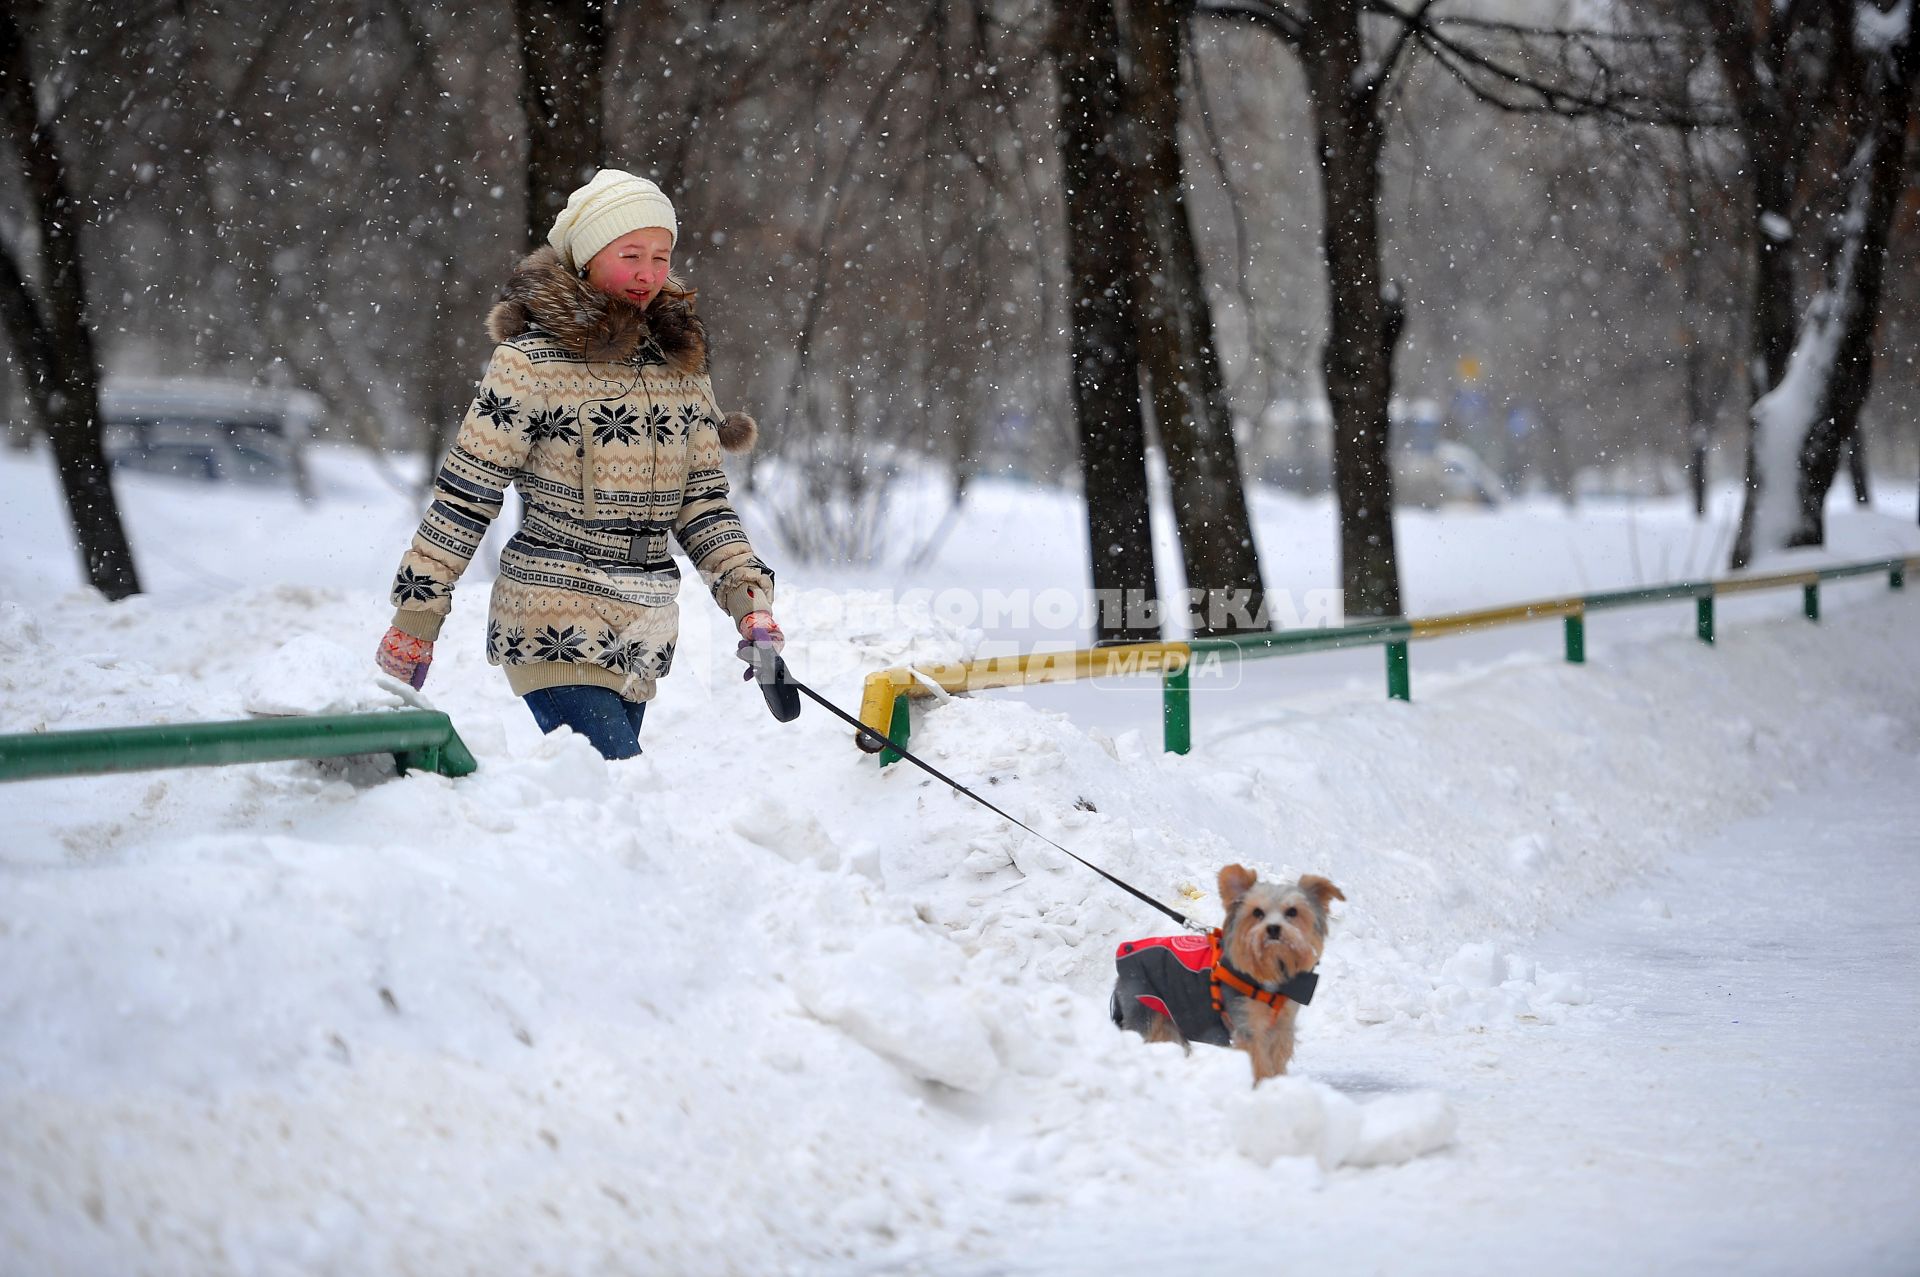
[884, 704]
[418, 739]
[1396, 635]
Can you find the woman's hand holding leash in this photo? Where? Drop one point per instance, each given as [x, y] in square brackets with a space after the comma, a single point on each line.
[405, 657]
[760, 645]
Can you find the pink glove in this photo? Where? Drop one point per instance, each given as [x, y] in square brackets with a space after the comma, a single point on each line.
[759, 633]
[404, 656]
[760, 627]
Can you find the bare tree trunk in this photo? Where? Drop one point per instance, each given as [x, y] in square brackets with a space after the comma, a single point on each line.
[1100, 254]
[1704, 386]
[957, 209]
[1698, 432]
[453, 349]
[1559, 464]
[563, 49]
[1857, 468]
[1358, 359]
[1349, 104]
[1176, 341]
[53, 339]
[447, 376]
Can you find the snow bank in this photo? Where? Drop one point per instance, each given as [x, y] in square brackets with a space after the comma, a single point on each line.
[308, 674]
[750, 1003]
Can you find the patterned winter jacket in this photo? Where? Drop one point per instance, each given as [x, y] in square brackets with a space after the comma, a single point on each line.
[603, 416]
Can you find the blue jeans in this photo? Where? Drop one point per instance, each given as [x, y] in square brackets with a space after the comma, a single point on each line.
[609, 722]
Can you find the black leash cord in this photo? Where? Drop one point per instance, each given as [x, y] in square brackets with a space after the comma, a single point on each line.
[786, 676]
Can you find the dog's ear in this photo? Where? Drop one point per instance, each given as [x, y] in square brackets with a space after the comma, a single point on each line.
[1234, 881]
[1320, 890]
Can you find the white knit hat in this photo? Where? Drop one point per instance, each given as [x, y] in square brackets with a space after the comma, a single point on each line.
[603, 210]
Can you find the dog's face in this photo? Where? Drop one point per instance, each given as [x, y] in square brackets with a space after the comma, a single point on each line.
[1274, 931]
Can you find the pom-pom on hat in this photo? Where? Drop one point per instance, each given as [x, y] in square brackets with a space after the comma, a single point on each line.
[603, 210]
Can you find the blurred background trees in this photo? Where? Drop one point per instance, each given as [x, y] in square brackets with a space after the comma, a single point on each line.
[874, 206]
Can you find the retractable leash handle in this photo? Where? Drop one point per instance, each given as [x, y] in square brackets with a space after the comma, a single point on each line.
[876, 738]
[765, 667]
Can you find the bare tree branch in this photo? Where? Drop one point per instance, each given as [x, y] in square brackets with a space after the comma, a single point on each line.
[1243, 253]
[1508, 87]
[1410, 24]
[838, 191]
[1272, 17]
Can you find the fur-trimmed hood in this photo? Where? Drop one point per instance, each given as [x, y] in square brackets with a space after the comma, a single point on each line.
[542, 293]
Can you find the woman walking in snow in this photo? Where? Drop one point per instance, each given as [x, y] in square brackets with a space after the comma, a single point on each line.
[597, 405]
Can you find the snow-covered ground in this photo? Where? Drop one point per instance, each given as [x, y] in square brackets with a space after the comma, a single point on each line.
[1623, 980]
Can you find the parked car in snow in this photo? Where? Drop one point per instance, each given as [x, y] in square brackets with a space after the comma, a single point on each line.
[1290, 444]
[1447, 474]
[208, 429]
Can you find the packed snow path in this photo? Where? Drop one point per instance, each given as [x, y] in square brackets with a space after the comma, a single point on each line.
[1754, 1108]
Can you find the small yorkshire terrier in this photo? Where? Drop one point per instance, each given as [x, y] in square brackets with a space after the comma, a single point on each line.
[1243, 985]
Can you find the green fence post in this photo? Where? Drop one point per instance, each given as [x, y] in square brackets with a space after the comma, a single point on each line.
[1576, 639]
[1897, 577]
[898, 729]
[1810, 600]
[424, 759]
[1177, 710]
[1703, 618]
[1398, 682]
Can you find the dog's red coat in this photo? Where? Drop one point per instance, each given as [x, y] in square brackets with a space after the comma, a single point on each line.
[1169, 975]
[1194, 952]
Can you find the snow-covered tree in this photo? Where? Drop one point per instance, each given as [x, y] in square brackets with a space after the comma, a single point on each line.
[1804, 422]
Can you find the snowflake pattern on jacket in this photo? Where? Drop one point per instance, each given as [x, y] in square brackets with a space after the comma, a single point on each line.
[561, 425]
[500, 409]
[619, 423]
